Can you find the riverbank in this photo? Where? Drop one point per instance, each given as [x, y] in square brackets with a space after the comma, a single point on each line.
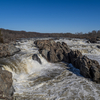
[6, 81]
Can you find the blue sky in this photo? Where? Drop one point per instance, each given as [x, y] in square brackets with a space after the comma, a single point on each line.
[50, 16]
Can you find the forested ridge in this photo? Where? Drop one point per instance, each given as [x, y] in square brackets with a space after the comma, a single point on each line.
[11, 35]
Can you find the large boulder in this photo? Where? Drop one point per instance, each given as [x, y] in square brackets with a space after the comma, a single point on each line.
[6, 88]
[84, 67]
[41, 43]
[90, 68]
[52, 51]
[92, 40]
[95, 73]
[45, 54]
[8, 49]
[35, 57]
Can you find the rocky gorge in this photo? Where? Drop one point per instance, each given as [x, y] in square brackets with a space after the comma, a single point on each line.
[57, 52]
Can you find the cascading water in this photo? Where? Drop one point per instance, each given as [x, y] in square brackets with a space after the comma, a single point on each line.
[47, 81]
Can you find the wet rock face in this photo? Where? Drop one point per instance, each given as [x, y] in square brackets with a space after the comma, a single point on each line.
[56, 52]
[52, 51]
[88, 68]
[35, 57]
[74, 58]
[8, 49]
[6, 88]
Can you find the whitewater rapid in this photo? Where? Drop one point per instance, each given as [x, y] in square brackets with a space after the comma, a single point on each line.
[89, 49]
[50, 81]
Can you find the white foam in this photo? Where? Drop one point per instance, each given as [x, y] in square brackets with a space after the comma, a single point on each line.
[49, 81]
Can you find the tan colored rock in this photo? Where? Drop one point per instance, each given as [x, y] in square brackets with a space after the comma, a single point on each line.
[6, 88]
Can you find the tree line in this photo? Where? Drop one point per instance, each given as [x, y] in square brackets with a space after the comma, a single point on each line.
[10, 35]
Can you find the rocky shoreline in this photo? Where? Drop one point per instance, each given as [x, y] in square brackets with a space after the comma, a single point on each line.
[57, 52]
[6, 82]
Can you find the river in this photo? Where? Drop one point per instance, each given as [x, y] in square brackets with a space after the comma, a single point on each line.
[50, 81]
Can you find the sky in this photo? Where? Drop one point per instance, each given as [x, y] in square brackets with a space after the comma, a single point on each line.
[50, 16]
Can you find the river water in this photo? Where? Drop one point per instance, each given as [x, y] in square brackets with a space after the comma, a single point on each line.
[50, 81]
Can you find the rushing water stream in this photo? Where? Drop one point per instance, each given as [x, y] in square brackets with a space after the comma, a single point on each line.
[49, 81]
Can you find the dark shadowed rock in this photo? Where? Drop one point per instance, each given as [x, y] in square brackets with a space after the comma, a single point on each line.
[84, 67]
[35, 57]
[98, 46]
[92, 40]
[95, 73]
[98, 38]
[59, 54]
[90, 68]
[74, 58]
[87, 41]
[45, 54]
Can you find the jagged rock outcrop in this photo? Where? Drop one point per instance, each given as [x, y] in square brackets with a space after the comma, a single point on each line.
[74, 58]
[56, 52]
[52, 51]
[6, 88]
[88, 68]
[93, 69]
[8, 49]
[35, 57]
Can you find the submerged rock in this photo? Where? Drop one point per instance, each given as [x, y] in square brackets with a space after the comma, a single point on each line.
[35, 57]
[92, 40]
[6, 88]
[98, 46]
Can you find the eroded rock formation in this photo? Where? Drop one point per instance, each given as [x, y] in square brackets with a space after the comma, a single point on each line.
[57, 52]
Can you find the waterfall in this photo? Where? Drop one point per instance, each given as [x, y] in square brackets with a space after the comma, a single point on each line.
[48, 81]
